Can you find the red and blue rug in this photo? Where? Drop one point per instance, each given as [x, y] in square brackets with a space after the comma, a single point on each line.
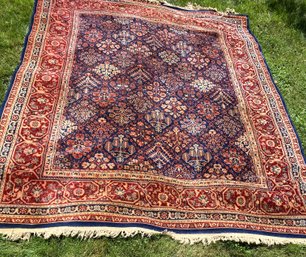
[126, 117]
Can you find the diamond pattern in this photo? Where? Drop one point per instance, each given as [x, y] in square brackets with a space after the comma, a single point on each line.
[151, 94]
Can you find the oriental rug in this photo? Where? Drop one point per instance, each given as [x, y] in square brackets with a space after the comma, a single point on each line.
[127, 117]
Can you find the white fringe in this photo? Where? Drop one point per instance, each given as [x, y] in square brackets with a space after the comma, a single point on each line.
[191, 6]
[96, 232]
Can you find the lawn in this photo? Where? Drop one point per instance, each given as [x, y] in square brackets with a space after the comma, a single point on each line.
[280, 27]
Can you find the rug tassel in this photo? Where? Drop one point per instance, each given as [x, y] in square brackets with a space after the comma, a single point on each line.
[191, 6]
[97, 232]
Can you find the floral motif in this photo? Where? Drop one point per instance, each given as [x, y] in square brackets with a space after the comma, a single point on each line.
[218, 172]
[159, 155]
[158, 120]
[139, 102]
[90, 57]
[182, 48]
[176, 139]
[208, 109]
[81, 111]
[123, 20]
[156, 91]
[243, 143]
[179, 171]
[98, 161]
[203, 84]
[140, 49]
[211, 51]
[79, 146]
[124, 37]
[174, 107]
[214, 141]
[169, 57]
[188, 94]
[140, 164]
[185, 72]
[215, 73]
[167, 36]
[108, 46]
[228, 126]
[139, 28]
[103, 97]
[93, 35]
[120, 148]
[124, 59]
[197, 157]
[193, 124]
[234, 159]
[106, 70]
[198, 60]
[171, 81]
[121, 114]
[141, 133]
[100, 129]
[67, 127]
[123, 85]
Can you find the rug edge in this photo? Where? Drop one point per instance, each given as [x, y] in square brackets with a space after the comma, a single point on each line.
[21, 58]
[277, 88]
[113, 232]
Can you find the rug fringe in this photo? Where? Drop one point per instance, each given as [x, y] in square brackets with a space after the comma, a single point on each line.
[191, 7]
[97, 232]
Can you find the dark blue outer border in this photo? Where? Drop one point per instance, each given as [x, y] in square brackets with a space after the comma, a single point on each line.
[136, 225]
[156, 229]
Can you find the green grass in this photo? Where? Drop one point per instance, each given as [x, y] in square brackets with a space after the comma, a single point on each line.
[278, 25]
[160, 246]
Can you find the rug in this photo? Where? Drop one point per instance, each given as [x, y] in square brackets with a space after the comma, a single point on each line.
[129, 117]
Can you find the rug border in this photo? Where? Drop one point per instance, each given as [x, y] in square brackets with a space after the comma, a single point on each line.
[98, 229]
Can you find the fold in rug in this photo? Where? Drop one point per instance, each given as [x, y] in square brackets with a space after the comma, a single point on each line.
[128, 117]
